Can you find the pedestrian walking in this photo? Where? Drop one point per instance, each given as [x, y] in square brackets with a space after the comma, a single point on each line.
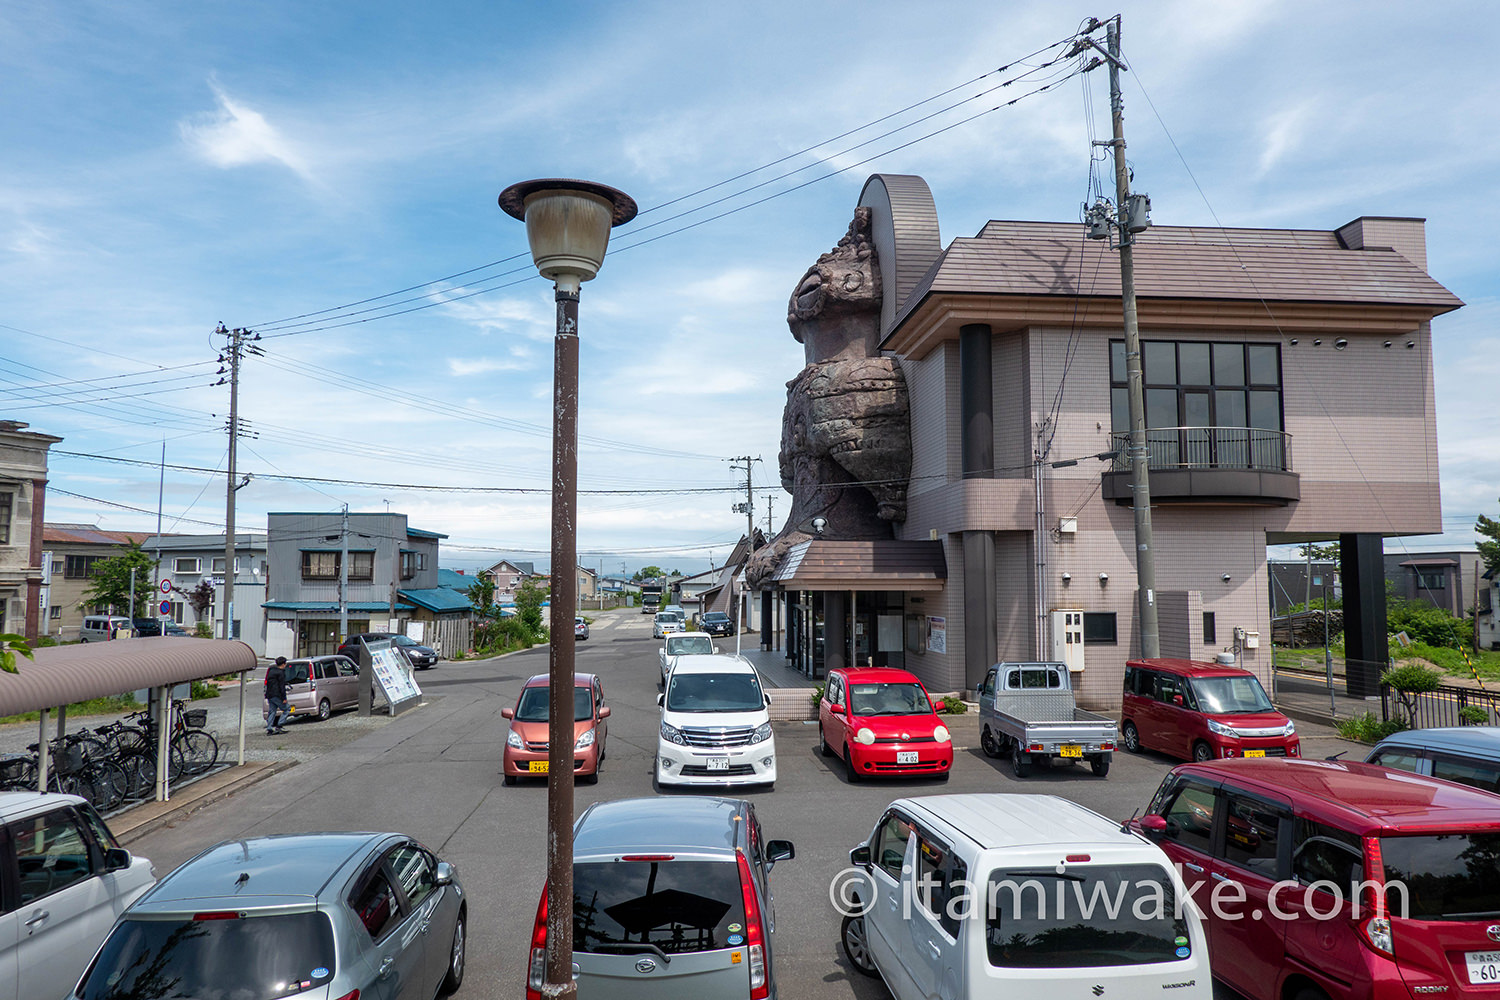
[276, 696]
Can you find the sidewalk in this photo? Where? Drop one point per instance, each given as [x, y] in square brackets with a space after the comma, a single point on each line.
[1305, 698]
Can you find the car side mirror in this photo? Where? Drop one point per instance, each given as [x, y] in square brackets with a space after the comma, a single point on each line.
[860, 856]
[1177, 700]
[661, 700]
[835, 708]
[507, 713]
[1153, 826]
[116, 858]
[444, 873]
[768, 700]
[716, 650]
[779, 850]
[603, 711]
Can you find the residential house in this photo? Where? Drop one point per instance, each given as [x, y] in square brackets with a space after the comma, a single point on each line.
[1296, 581]
[23, 494]
[508, 577]
[1448, 579]
[71, 551]
[186, 562]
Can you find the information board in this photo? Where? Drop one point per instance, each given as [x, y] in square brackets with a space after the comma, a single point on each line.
[393, 674]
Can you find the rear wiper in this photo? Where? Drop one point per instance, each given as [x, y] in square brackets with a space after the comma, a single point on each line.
[1046, 873]
[632, 948]
[1479, 915]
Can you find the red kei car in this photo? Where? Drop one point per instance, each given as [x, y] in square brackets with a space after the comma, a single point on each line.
[881, 721]
[1201, 711]
[1287, 860]
[526, 745]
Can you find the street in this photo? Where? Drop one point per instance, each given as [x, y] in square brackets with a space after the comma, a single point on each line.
[433, 773]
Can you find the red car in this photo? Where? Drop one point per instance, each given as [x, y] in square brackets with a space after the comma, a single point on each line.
[526, 745]
[1201, 711]
[1325, 880]
[881, 721]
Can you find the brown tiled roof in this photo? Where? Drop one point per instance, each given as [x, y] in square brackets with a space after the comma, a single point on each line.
[1045, 258]
[823, 564]
[87, 534]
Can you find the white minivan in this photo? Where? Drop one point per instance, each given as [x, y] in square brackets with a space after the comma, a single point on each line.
[715, 726]
[1026, 895]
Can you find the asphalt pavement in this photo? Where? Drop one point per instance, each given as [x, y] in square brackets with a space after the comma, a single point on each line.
[433, 772]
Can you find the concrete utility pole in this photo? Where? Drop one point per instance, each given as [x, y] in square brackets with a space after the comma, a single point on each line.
[241, 341]
[344, 575]
[1130, 217]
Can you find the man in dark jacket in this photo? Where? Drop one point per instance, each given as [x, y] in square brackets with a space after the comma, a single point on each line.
[276, 696]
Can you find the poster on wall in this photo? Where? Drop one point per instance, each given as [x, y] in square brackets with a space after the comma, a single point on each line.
[393, 674]
[937, 634]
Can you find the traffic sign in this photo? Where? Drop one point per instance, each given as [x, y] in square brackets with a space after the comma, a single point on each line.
[166, 586]
[166, 607]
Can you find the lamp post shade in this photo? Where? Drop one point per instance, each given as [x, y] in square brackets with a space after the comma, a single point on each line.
[567, 223]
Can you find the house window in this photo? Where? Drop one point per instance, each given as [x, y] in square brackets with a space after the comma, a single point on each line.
[1208, 405]
[54, 612]
[187, 565]
[1099, 628]
[320, 565]
[239, 565]
[411, 562]
[1210, 632]
[79, 567]
[6, 502]
[361, 565]
[1431, 579]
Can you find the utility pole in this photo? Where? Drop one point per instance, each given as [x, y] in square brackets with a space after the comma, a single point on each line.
[241, 341]
[1131, 217]
[742, 609]
[344, 576]
[770, 514]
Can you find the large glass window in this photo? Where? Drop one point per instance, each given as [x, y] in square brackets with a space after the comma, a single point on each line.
[651, 907]
[320, 565]
[6, 502]
[1207, 405]
[52, 853]
[1448, 876]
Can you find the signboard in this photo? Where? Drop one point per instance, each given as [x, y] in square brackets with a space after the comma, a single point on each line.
[393, 674]
[166, 586]
[937, 635]
[166, 607]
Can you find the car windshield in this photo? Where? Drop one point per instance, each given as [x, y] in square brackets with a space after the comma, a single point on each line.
[888, 699]
[1446, 876]
[715, 616]
[534, 702]
[404, 640]
[1082, 917]
[622, 907]
[1241, 695]
[714, 693]
[235, 958]
[690, 645]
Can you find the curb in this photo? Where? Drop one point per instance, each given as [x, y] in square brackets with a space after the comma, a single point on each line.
[148, 817]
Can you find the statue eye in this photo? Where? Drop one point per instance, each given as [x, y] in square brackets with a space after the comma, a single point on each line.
[852, 280]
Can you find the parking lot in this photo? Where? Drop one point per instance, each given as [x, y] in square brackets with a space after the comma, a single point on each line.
[433, 773]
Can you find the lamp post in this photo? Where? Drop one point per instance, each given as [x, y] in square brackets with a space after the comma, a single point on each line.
[567, 226]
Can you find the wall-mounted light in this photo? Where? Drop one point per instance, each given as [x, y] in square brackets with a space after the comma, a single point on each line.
[1410, 344]
[1318, 342]
[1293, 342]
[1103, 579]
[819, 524]
[1225, 578]
[1067, 578]
[1386, 345]
[1340, 344]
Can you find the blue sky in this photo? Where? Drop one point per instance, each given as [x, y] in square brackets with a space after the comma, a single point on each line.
[169, 166]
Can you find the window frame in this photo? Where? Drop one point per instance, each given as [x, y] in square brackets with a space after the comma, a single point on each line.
[7, 512]
[1091, 622]
[310, 571]
[187, 564]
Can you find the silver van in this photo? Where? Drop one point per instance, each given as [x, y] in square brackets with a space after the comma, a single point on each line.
[102, 628]
[671, 899]
[319, 686]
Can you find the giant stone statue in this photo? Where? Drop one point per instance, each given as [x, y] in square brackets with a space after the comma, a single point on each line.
[846, 431]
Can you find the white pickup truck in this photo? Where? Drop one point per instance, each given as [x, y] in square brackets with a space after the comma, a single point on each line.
[1026, 711]
[683, 644]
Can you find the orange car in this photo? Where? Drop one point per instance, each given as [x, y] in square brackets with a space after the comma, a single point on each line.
[526, 743]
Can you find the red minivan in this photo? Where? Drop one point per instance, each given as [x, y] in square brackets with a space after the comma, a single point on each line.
[1286, 859]
[1201, 711]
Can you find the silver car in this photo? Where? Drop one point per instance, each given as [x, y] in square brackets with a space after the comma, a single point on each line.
[322, 914]
[671, 899]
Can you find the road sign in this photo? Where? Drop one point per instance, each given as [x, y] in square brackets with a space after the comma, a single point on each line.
[166, 586]
[166, 607]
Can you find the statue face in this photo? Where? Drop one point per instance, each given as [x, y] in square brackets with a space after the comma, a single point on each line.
[835, 309]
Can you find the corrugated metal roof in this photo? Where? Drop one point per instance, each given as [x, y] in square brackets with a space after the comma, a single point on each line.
[62, 675]
[419, 533]
[438, 599]
[87, 534]
[333, 606]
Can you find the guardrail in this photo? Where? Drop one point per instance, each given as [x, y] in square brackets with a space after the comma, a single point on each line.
[1254, 448]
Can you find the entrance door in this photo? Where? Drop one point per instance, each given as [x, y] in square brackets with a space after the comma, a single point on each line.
[317, 638]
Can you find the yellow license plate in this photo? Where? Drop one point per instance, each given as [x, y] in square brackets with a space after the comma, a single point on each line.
[537, 767]
[1255, 753]
[1070, 750]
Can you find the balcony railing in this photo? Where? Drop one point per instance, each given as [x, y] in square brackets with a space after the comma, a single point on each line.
[1253, 449]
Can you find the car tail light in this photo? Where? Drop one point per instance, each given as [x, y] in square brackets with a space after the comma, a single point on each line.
[536, 973]
[1374, 897]
[350, 996]
[1106, 746]
[1377, 934]
[1035, 748]
[218, 915]
[755, 943]
[648, 857]
[1076, 858]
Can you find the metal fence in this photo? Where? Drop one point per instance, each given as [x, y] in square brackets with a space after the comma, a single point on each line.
[1254, 448]
[1440, 707]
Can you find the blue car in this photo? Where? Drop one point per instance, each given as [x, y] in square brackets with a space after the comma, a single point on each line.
[1469, 755]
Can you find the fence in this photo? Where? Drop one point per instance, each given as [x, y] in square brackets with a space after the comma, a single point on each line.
[1439, 707]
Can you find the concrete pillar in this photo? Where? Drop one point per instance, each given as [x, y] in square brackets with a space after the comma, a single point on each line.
[980, 642]
[767, 599]
[1366, 647]
[835, 630]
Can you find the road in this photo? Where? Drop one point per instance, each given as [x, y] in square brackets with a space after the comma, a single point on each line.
[433, 773]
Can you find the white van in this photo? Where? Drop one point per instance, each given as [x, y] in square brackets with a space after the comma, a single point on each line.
[102, 628]
[1025, 895]
[715, 726]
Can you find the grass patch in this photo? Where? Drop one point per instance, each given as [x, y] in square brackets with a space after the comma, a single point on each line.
[1368, 729]
[113, 705]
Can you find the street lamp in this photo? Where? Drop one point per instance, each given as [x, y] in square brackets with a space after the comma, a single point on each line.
[567, 226]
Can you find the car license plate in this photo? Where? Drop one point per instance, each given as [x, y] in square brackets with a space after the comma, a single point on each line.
[906, 756]
[537, 767]
[1255, 753]
[717, 763]
[1484, 967]
[1070, 750]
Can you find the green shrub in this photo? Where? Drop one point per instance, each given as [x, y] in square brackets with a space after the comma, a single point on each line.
[1473, 715]
[1424, 623]
[1413, 678]
[1368, 729]
[204, 630]
[203, 689]
[817, 693]
[952, 706]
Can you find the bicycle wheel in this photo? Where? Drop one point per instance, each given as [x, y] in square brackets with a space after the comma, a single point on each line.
[140, 769]
[111, 784]
[200, 751]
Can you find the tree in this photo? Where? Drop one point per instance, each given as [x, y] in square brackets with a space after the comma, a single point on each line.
[481, 594]
[10, 645]
[529, 598]
[648, 573]
[201, 597]
[1489, 551]
[111, 582]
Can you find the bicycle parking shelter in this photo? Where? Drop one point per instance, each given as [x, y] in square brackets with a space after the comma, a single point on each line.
[59, 676]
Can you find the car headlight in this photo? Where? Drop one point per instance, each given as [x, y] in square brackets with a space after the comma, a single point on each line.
[941, 734]
[584, 741]
[513, 739]
[673, 735]
[1291, 728]
[762, 733]
[865, 736]
[1219, 729]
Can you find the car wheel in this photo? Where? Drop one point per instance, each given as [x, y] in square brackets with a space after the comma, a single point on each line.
[510, 779]
[853, 773]
[324, 710]
[455, 977]
[857, 945]
[1100, 766]
[823, 747]
[1202, 752]
[590, 779]
[988, 743]
[1019, 762]
[1132, 738]
[942, 776]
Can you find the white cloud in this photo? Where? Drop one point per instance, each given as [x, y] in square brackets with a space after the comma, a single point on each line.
[1284, 133]
[482, 366]
[236, 135]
